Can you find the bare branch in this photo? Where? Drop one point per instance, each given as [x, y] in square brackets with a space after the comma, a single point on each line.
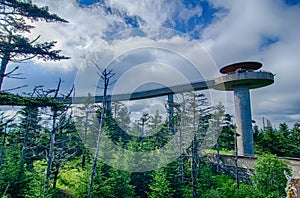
[12, 71]
[12, 89]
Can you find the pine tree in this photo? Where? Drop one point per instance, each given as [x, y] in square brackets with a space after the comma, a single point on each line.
[68, 144]
[14, 45]
[295, 139]
[121, 115]
[106, 76]
[226, 139]
[4, 124]
[160, 187]
[84, 123]
[31, 129]
[196, 120]
[155, 121]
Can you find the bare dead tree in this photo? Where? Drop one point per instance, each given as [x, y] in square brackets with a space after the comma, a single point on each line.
[51, 154]
[143, 120]
[105, 76]
[28, 122]
[83, 120]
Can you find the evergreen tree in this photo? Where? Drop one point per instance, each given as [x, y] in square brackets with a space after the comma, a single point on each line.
[4, 125]
[295, 139]
[105, 77]
[84, 123]
[121, 115]
[115, 132]
[110, 182]
[285, 140]
[9, 181]
[282, 141]
[226, 139]
[14, 45]
[31, 131]
[155, 121]
[68, 144]
[215, 127]
[119, 184]
[270, 140]
[197, 121]
[160, 187]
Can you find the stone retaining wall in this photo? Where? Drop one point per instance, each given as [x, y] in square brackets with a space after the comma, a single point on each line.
[245, 165]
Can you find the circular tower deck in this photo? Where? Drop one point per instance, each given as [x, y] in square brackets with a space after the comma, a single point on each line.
[243, 73]
[249, 66]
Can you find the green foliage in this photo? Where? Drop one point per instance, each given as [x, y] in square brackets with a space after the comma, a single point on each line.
[225, 187]
[13, 44]
[160, 186]
[16, 100]
[226, 139]
[206, 179]
[75, 181]
[121, 115]
[269, 175]
[173, 180]
[36, 181]
[141, 181]
[294, 138]
[9, 172]
[116, 133]
[29, 10]
[282, 141]
[110, 183]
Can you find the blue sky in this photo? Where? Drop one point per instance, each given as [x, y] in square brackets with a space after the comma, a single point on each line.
[181, 24]
[209, 33]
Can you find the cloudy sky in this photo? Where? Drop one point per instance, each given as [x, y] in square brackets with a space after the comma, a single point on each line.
[149, 43]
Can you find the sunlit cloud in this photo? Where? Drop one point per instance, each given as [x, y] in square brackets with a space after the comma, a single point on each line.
[266, 31]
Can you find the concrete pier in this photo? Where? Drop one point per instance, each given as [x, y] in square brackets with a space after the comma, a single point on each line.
[245, 142]
[108, 106]
[171, 112]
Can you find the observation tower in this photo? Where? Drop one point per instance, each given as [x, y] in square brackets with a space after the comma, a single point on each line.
[239, 78]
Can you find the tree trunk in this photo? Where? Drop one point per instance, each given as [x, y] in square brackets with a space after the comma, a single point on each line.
[3, 147]
[24, 148]
[4, 63]
[57, 166]
[194, 167]
[194, 151]
[106, 77]
[97, 151]
[50, 156]
[85, 139]
[83, 160]
[218, 157]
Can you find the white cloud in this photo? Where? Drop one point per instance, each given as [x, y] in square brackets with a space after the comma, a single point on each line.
[240, 35]
[155, 13]
[133, 60]
[86, 27]
[266, 31]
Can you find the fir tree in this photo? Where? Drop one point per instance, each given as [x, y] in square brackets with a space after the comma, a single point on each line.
[160, 187]
[14, 45]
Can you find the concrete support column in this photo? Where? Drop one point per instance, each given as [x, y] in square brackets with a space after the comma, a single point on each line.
[108, 107]
[171, 112]
[245, 142]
